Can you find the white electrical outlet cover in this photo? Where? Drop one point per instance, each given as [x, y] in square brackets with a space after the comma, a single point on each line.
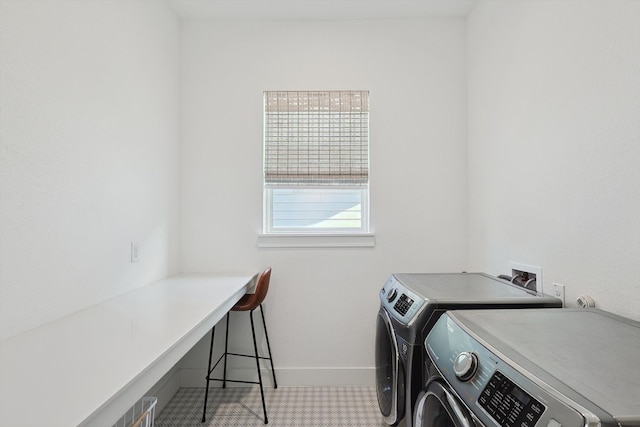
[558, 292]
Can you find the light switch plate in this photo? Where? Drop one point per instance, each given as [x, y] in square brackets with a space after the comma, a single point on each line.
[135, 252]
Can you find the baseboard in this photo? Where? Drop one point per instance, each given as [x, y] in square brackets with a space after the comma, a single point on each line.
[351, 376]
[289, 377]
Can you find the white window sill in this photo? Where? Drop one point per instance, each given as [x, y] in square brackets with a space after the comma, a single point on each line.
[316, 241]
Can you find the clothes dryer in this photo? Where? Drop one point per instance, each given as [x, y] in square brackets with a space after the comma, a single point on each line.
[410, 304]
[532, 368]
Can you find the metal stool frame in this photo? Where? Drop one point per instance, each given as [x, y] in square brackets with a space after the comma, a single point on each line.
[243, 305]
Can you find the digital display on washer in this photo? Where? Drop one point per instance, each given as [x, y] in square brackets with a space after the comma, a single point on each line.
[403, 304]
[508, 404]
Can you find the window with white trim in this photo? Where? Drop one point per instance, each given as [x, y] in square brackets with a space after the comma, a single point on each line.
[316, 162]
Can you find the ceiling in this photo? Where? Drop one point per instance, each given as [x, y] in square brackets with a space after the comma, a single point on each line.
[317, 10]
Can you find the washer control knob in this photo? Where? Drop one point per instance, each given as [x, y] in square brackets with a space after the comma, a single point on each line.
[392, 294]
[465, 365]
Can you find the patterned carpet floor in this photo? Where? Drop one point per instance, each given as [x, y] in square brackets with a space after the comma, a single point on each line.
[286, 407]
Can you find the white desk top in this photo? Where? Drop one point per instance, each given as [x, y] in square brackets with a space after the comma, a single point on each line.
[90, 367]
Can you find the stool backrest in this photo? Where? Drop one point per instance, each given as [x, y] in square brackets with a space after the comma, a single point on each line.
[262, 288]
[252, 301]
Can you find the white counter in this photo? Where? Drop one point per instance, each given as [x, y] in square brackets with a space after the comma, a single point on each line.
[90, 367]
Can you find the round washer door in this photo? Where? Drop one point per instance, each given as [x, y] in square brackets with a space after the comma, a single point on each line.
[389, 373]
[438, 407]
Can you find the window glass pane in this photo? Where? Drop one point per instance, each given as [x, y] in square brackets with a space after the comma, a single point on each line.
[304, 208]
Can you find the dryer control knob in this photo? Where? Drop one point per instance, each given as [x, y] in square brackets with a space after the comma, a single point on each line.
[392, 294]
[465, 365]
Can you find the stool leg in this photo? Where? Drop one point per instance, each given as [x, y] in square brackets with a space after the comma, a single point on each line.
[206, 392]
[226, 342]
[255, 348]
[266, 335]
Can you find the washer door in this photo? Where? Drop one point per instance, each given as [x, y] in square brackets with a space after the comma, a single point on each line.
[438, 407]
[389, 373]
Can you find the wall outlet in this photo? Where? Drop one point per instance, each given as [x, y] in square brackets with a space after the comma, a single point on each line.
[135, 252]
[558, 291]
[530, 271]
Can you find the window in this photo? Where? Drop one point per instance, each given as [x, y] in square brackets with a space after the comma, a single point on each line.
[316, 162]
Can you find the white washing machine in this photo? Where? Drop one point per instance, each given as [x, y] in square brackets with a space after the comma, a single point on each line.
[410, 304]
[532, 368]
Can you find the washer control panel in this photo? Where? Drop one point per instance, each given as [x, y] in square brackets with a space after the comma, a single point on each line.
[400, 302]
[509, 404]
[499, 394]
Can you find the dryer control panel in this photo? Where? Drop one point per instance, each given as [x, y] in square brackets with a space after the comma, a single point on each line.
[509, 404]
[401, 303]
[498, 393]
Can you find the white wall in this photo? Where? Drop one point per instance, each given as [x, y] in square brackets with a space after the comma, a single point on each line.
[89, 158]
[88, 153]
[554, 144]
[322, 306]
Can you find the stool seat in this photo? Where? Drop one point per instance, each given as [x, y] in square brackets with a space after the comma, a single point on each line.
[245, 304]
[248, 302]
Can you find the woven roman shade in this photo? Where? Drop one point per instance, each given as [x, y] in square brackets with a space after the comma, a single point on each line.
[316, 138]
